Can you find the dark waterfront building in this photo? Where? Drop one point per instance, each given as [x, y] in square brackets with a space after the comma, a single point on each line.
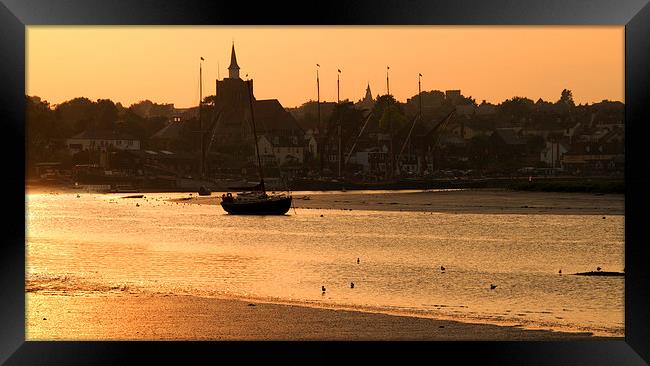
[232, 136]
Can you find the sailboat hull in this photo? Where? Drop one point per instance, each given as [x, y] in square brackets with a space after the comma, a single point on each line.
[262, 207]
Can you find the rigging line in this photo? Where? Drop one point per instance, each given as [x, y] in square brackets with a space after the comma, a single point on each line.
[407, 138]
[214, 131]
[357, 138]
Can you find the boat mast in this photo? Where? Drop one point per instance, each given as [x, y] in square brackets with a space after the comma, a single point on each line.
[257, 150]
[201, 119]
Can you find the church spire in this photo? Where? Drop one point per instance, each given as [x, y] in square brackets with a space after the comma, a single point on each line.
[233, 69]
[368, 93]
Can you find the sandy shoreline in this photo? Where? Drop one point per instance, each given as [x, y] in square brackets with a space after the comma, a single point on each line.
[482, 201]
[180, 317]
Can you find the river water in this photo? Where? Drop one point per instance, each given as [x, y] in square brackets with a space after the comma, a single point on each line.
[105, 243]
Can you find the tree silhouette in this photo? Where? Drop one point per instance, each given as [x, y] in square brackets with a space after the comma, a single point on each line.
[566, 98]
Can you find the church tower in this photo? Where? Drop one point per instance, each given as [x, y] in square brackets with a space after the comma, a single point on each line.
[232, 90]
[233, 69]
[367, 102]
[368, 96]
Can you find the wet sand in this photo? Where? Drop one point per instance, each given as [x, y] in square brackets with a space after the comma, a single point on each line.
[492, 201]
[176, 317]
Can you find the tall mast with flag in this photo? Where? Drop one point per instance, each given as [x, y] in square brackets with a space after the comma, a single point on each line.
[201, 119]
[338, 101]
[420, 94]
[387, 84]
[320, 128]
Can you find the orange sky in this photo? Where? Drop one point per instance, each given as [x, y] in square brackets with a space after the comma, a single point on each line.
[129, 64]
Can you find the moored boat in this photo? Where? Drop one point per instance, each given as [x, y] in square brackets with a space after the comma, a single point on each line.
[256, 201]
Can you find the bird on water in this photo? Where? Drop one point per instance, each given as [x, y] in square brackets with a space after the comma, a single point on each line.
[598, 269]
[560, 271]
[492, 287]
[323, 288]
[442, 268]
[357, 260]
[351, 284]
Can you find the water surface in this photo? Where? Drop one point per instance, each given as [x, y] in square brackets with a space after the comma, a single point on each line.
[102, 242]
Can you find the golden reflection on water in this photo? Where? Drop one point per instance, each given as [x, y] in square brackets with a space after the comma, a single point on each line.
[103, 243]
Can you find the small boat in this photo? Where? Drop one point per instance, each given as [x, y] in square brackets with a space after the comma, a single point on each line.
[256, 201]
[134, 196]
[601, 273]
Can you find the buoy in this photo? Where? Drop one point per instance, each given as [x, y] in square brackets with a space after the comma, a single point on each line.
[357, 260]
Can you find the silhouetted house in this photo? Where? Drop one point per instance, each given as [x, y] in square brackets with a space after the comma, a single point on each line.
[465, 110]
[372, 160]
[161, 163]
[281, 150]
[431, 101]
[594, 157]
[454, 147]
[553, 152]
[470, 128]
[453, 96]
[169, 136]
[102, 141]
[508, 143]
[311, 146]
[273, 120]
[486, 109]
[601, 151]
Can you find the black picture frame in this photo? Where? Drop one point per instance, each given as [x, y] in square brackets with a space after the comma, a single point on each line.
[15, 15]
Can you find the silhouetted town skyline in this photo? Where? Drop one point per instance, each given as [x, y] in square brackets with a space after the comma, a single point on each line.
[433, 134]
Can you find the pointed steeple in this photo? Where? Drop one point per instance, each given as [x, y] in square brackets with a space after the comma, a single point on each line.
[368, 93]
[233, 69]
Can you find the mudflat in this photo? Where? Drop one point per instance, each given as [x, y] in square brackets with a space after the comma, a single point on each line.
[180, 317]
[480, 201]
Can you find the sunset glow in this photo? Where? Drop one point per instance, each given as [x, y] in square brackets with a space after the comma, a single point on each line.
[492, 63]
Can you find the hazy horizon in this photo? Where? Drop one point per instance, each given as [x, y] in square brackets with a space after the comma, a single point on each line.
[128, 64]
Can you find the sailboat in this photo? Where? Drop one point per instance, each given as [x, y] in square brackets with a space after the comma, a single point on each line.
[256, 201]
